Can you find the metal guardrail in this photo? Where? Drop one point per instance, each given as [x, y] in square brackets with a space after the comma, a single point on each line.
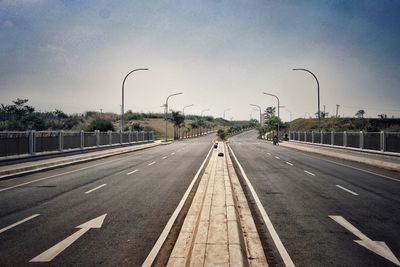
[385, 142]
[30, 143]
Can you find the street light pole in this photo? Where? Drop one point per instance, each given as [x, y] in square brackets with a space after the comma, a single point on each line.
[290, 115]
[319, 108]
[278, 109]
[183, 110]
[166, 113]
[259, 108]
[123, 93]
[225, 111]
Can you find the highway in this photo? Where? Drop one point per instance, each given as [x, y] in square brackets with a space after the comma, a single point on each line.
[319, 206]
[107, 212]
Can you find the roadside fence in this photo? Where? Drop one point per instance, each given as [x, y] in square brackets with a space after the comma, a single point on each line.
[388, 142]
[30, 143]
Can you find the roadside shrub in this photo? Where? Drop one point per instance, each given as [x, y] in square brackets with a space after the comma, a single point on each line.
[221, 134]
[101, 125]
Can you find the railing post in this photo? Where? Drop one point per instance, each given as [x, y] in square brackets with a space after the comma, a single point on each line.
[109, 134]
[32, 142]
[361, 140]
[82, 139]
[332, 137]
[383, 141]
[60, 140]
[120, 137]
[130, 137]
[345, 139]
[97, 133]
[312, 136]
[322, 137]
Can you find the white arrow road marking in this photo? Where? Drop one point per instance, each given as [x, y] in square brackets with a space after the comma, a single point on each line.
[18, 223]
[377, 247]
[347, 190]
[310, 173]
[129, 173]
[52, 252]
[90, 191]
[151, 163]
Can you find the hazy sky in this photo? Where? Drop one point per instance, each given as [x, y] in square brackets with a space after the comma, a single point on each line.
[73, 55]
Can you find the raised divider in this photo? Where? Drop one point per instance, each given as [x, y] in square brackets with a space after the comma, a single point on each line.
[219, 229]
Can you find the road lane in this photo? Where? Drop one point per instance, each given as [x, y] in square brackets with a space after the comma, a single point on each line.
[299, 204]
[138, 206]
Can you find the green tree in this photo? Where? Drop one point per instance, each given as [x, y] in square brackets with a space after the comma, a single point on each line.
[137, 127]
[221, 134]
[360, 114]
[177, 119]
[102, 125]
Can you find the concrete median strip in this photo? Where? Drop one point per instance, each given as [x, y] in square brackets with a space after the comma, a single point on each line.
[69, 160]
[219, 229]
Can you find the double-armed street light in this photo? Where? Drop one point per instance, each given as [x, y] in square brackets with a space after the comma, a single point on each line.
[278, 108]
[259, 108]
[319, 108]
[123, 92]
[183, 110]
[166, 114]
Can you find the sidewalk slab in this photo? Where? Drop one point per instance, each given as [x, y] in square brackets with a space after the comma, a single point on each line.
[212, 233]
[381, 161]
[8, 171]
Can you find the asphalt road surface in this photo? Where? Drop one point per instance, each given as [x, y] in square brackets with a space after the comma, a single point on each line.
[299, 191]
[138, 192]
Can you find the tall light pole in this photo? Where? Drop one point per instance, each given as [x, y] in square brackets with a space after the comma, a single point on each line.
[166, 113]
[123, 92]
[290, 115]
[226, 111]
[278, 109]
[183, 110]
[259, 108]
[319, 108]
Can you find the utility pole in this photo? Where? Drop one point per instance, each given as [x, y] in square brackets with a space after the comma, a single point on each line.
[337, 110]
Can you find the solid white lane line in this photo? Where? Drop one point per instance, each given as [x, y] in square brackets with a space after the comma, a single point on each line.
[310, 173]
[18, 223]
[91, 190]
[287, 162]
[165, 157]
[160, 241]
[347, 190]
[129, 173]
[278, 243]
[151, 163]
[277, 157]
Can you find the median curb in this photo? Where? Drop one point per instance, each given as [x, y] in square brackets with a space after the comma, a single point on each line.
[219, 229]
[14, 172]
[392, 166]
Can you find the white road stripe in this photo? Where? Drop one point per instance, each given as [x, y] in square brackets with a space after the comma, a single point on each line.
[287, 162]
[151, 163]
[165, 157]
[310, 173]
[160, 241]
[278, 243]
[347, 190]
[90, 191]
[129, 173]
[269, 153]
[277, 157]
[173, 153]
[18, 223]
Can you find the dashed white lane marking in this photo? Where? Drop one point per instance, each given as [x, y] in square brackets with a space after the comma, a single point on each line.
[288, 163]
[278, 243]
[269, 153]
[129, 173]
[173, 153]
[347, 190]
[94, 189]
[151, 163]
[18, 223]
[277, 157]
[310, 173]
[165, 157]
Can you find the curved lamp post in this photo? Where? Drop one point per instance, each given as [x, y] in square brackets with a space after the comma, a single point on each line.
[183, 110]
[123, 92]
[319, 108]
[259, 108]
[226, 111]
[166, 113]
[278, 109]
